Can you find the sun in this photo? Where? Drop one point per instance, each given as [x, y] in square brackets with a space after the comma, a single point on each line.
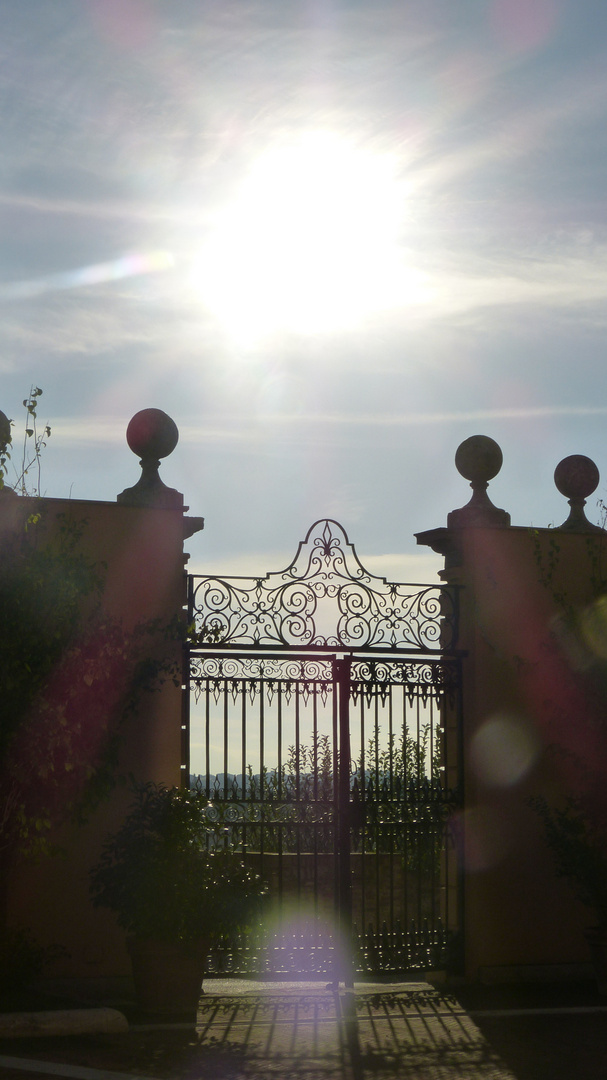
[311, 242]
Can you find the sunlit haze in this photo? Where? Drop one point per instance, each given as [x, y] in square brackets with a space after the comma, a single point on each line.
[312, 240]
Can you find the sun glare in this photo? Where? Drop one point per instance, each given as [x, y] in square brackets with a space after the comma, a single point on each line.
[311, 242]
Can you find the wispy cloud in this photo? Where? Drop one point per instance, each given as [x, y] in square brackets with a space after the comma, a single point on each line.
[414, 568]
[408, 419]
[512, 132]
[231, 429]
[104, 210]
[558, 272]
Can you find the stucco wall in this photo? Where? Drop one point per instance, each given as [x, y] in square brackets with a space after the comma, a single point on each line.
[144, 580]
[523, 692]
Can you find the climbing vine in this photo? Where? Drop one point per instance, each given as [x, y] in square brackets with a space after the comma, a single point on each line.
[34, 441]
[70, 674]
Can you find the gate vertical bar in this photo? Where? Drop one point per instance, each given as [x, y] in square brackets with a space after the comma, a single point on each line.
[459, 961]
[186, 687]
[185, 707]
[343, 668]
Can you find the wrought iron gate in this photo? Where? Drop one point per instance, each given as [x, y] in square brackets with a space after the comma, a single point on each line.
[323, 721]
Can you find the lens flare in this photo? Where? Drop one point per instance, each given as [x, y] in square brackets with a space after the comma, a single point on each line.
[503, 751]
[594, 627]
[126, 266]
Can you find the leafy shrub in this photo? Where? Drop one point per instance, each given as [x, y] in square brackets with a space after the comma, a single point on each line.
[577, 838]
[163, 879]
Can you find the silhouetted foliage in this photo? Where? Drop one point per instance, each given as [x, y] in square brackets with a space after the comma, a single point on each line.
[161, 877]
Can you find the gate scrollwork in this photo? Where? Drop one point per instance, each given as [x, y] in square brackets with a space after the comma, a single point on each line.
[324, 599]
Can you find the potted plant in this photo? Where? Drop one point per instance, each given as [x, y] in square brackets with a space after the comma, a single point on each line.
[175, 889]
[576, 833]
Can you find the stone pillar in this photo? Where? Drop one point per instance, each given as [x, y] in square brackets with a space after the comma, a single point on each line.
[521, 695]
[139, 539]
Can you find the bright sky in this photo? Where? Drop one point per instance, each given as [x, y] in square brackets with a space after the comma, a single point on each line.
[331, 239]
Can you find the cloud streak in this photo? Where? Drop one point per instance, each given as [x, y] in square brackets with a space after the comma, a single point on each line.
[105, 210]
[108, 430]
[410, 568]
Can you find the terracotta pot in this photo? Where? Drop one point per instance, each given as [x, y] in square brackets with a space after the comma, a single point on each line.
[168, 975]
[596, 937]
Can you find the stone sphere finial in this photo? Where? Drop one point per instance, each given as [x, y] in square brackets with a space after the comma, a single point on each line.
[5, 431]
[6, 437]
[152, 433]
[478, 459]
[576, 477]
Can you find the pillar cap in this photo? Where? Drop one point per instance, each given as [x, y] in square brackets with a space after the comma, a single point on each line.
[151, 434]
[576, 477]
[478, 459]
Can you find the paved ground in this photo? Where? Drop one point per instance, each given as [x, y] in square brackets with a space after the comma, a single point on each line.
[305, 1031]
[552, 1031]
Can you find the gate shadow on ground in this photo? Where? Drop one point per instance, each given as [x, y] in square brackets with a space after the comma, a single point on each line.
[322, 1034]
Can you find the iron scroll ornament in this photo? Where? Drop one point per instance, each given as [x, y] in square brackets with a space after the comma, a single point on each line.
[324, 599]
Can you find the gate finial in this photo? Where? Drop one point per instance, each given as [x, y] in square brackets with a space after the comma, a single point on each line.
[478, 459]
[151, 434]
[576, 477]
[5, 442]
